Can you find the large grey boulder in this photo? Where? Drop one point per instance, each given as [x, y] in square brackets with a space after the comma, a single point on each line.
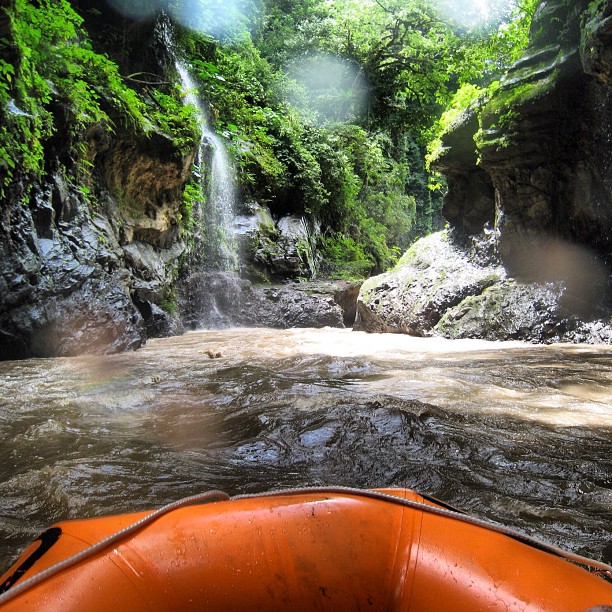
[434, 275]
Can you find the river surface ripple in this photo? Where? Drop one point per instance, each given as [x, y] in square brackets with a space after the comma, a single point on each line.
[515, 433]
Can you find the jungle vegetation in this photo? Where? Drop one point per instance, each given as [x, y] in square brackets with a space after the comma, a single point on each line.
[328, 106]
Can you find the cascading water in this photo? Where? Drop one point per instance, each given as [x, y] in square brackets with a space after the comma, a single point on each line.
[216, 217]
[214, 269]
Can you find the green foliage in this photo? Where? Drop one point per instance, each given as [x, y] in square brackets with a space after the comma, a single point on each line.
[488, 56]
[345, 258]
[418, 62]
[364, 181]
[355, 167]
[193, 197]
[176, 119]
[169, 303]
[56, 64]
[413, 53]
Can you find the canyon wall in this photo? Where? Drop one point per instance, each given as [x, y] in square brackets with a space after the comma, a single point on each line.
[529, 173]
[97, 251]
[84, 265]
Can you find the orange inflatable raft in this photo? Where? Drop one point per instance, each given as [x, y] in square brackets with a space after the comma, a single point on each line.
[315, 549]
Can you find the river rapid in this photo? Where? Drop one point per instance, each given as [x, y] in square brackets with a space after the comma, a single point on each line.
[519, 434]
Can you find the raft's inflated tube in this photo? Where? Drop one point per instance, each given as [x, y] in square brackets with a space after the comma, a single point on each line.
[307, 551]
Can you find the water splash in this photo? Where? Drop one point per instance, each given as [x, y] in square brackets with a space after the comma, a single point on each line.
[220, 248]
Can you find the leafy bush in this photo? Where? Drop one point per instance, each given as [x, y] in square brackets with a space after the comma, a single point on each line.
[175, 118]
[344, 258]
[55, 63]
[465, 97]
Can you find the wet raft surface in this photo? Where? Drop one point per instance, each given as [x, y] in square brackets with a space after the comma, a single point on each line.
[515, 433]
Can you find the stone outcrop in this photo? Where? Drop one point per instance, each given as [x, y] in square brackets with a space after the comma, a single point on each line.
[275, 249]
[544, 140]
[432, 276]
[223, 299]
[91, 268]
[531, 167]
[450, 285]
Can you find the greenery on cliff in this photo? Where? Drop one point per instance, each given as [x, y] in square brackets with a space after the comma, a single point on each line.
[327, 105]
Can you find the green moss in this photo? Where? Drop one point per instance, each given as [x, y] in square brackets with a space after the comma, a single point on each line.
[508, 99]
[501, 115]
[466, 97]
[169, 303]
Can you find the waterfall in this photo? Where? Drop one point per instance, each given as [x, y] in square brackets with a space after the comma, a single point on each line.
[220, 250]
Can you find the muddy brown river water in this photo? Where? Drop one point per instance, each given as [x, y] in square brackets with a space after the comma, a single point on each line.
[515, 433]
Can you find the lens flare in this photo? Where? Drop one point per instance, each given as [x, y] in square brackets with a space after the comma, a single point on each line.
[328, 88]
[537, 257]
[218, 18]
[473, 13]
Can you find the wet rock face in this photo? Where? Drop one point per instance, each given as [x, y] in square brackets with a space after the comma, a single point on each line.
[64, 291]
[81, 276]
[89, 276]
[222, 299]
[543, 140]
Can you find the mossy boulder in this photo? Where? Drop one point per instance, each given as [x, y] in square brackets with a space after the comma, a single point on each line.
[508, 311]
[434, 275]
[455, 287]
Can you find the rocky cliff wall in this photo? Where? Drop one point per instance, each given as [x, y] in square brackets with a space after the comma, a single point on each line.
[82, 274]
[529, 172]
[545, 139]
[536, 157]
[86, 264]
